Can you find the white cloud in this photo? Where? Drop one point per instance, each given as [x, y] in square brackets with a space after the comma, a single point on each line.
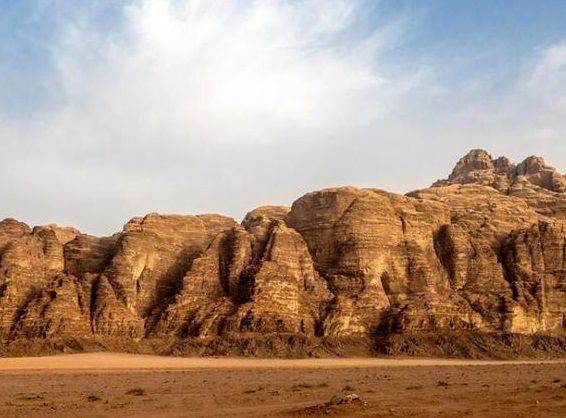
[530, 114]
[548, 80]
[216, 71]
[195, 106]
[193, 92]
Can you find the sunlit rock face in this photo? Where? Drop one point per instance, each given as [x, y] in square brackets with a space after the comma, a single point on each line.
[483, 251]
[540, 185]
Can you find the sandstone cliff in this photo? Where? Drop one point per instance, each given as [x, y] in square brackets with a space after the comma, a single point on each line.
[540, 185]
[481, 255]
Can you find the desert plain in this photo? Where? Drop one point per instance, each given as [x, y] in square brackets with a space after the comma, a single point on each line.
[111, 385]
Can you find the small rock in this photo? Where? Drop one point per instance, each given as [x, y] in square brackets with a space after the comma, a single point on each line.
[344, 399]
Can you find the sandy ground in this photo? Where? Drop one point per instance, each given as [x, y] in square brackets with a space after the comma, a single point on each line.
[109, 385]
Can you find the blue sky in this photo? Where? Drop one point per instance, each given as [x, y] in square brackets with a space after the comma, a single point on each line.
[498, 38]
[114, 109]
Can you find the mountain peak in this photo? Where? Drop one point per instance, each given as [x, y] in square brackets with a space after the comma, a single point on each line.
[479, 167]
[477, 153]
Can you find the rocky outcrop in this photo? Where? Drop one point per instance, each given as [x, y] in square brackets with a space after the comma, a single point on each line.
[540, 185]
[154, 252]
[483, 252]
[250, 281]
[29, 262]
[534, 260]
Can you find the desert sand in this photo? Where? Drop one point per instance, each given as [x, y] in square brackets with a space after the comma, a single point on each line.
[107, 385]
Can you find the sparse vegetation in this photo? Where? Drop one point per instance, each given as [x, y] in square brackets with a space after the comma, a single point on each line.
[269, 390]
[31, 397]
[259, 389]
[136, 392]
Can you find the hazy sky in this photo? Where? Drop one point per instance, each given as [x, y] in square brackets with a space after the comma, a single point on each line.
[111, 109]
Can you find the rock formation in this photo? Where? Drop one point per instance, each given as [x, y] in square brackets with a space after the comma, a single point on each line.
[482, 253]
[541, 186]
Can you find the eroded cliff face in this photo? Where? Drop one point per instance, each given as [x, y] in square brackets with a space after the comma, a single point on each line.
[481, 252]
[540, 185]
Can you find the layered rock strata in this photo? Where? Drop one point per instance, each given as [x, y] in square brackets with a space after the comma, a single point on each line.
[540, 185]
[482, 252]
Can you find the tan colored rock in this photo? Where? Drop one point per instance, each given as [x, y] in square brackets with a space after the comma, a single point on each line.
[55, 311]
[480, 252]
[534, 260]
[64, 234]
[540, 185]
[265, 213]
[285, 293]
[478, 167]
[88, 254]
[154, 252]
[232, 289]
[109, 315]
[29, 260]
[373, 247]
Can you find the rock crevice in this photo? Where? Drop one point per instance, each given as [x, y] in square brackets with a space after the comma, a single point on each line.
[483, 251]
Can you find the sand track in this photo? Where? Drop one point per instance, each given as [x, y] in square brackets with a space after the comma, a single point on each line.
[125, 362]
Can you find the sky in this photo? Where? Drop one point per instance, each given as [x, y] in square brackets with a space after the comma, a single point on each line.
[114, 109]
